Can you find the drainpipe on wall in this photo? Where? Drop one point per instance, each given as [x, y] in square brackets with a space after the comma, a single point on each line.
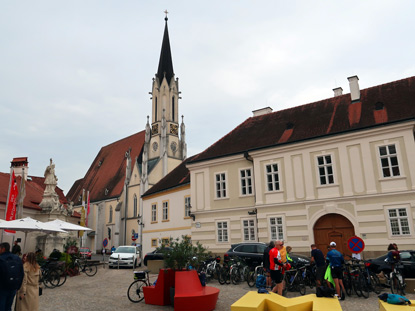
[250, 159]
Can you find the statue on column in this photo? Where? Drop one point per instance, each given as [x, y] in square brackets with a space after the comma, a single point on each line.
[51, 180]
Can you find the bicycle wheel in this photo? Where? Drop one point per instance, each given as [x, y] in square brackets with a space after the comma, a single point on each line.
[300, 285]
[375, 283]
[251, 279]
[90, 270]
[51, 279]
[222, 276]
[364, 286]
[235, 276]
[135, 291]
[347, 283]
[62, 278]
[396, 285]
[356, 286]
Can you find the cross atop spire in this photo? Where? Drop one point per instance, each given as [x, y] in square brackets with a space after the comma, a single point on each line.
[165, 68]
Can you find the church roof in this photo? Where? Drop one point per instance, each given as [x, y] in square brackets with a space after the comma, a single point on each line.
[378, 106]
[106, 175]
[165, 62]
[178, 177]
[35, 187]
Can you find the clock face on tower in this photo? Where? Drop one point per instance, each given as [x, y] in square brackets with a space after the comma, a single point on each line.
[174, 129]
[155, 146]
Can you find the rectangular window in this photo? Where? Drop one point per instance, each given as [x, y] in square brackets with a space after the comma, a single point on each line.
[398, 219]
[221, 185]
[165, 210]
[277, 230]
[273, 179]
[389, 161]
[325, 170]
[249, 229]
[153, 212]
[187, 207]
[246, 182]
[222, 229]
[153, 242]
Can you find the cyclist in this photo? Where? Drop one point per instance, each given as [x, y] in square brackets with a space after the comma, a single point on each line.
[393, 255]
[265, 261]
[336, 264]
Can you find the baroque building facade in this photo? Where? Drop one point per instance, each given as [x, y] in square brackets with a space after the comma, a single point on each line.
[316, 173]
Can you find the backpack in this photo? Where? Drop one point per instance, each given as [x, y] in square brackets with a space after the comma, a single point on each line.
[11, 267]
[394, 299]
[261, 281]
[324, 291]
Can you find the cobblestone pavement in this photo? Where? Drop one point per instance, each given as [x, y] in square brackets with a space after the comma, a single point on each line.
[107, 290]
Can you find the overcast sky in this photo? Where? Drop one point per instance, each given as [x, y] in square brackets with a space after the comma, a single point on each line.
[75, 75]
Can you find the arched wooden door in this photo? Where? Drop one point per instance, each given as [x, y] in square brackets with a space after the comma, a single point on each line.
[333, 227]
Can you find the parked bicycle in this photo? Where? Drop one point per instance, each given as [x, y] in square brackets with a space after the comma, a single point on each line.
[50, 274]
[294, 280]
[396, 280]
[135, 290]
[253, 275]
[82, 265]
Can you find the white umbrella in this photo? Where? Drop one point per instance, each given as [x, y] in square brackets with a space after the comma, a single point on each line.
[28, 225]
[67, 226]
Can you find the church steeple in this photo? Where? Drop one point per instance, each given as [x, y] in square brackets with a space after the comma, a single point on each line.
[166, 144]
[165, 64]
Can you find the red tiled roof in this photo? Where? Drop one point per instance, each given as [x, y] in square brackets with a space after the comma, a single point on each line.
[107, 171]
[34, 190]
[379, 105]
[178, 177]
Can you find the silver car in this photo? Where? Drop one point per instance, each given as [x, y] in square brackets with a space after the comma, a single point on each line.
[125, 256]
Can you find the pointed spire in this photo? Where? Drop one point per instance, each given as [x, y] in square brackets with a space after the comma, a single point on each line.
[165, 64]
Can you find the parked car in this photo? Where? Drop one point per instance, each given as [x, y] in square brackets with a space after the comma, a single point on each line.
[125, 256]
[157, 254]
[253, 252]
[407, 258]
[85, 252]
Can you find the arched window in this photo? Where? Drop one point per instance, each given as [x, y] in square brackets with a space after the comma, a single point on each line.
[135, 205]
[110, 220]
[172, 109]
[155, 111]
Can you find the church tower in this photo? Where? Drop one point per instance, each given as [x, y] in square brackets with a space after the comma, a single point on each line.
[165, 139]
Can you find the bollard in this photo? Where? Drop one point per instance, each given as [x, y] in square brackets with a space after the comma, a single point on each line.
[118, 262]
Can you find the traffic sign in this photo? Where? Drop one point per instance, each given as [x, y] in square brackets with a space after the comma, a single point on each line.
[356, 244]
[133, 237]
[105, 242]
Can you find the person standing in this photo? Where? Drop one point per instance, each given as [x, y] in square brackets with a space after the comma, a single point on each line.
[276, 267]
[17, 250]
[336, 262]
[11, 276]
[266, 264]
[28, 294]
[318, 258]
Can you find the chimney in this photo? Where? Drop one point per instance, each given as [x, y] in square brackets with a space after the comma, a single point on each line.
[354, 88]
[262, 111]
[338, 91]
[19, 166]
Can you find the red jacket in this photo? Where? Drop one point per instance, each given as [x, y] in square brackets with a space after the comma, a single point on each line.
[275, 262]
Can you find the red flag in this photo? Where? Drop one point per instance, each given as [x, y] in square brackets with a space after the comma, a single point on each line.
[87, 211]
[11, 204]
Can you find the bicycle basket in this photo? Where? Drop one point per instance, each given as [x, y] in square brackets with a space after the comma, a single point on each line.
[139, 275]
